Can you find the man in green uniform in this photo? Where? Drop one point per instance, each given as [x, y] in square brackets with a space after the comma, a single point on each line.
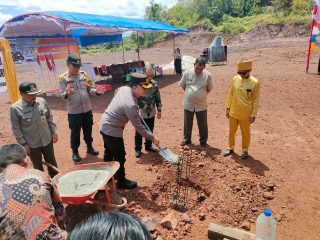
[33, 126]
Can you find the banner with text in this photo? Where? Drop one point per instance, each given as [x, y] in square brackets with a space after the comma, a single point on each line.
[25, 49]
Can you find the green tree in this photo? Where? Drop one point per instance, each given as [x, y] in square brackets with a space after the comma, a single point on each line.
[250, 7]
[220, 8]
[202, 8]
[282, 5]
[302, 6]
[181, 15]
[154, 11]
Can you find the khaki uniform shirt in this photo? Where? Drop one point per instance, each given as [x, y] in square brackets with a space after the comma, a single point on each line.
[32, 124]
[196, 89]
[243, 97]
[78, 101]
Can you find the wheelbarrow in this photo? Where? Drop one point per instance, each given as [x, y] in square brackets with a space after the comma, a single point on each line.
[89, 183]
[165, 152]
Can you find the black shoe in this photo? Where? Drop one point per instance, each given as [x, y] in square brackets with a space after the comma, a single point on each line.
[203, 145]
[228, 153]
[151, 149]
[126, 184]
[185, 142]
[137, 153]
[75, 156]
[92, 151]
[244, 156]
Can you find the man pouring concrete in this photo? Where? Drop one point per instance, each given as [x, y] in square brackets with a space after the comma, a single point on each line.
[124, 108]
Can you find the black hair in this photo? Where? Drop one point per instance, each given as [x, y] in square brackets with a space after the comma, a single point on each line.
[131, 84]
[12, 153]
[200, 61]
[110, 226]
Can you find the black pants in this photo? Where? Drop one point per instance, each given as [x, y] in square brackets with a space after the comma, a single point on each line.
[78, 121]
[202, 125]
[177, 66]
[48, 155]
[319, 66]
[138, 137]
[114, 151]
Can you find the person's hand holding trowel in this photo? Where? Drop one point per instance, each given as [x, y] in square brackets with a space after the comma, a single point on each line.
[155, 141]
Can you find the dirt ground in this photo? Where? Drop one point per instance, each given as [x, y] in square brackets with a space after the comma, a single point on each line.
[282, 172]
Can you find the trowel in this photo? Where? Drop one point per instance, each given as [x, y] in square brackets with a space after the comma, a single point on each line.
[165, 152]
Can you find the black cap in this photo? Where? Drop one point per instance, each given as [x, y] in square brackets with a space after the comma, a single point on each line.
[29, 88]
[141, 79]
[74, 60]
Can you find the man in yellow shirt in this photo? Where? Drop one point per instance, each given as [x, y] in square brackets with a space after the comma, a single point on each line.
[242, 106]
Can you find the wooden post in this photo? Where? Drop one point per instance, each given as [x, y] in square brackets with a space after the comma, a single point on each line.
[217, 232]
[122, 51]
[174, 42]
[174, 51]
[138, 49]
[66, 36]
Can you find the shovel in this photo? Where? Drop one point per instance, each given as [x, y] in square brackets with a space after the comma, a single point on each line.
[165, 152]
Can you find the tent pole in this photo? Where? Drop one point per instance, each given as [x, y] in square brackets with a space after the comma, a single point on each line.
[174, 42]
[66, 36]
[174, 50]
[122, 51]
[138, 49]
[309, 47]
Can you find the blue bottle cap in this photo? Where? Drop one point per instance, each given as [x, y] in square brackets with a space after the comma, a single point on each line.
[267, 212]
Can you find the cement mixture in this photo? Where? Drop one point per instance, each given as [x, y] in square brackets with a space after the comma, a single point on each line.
[82, 182]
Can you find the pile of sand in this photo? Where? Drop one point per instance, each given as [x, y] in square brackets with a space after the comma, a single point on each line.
[186, 63]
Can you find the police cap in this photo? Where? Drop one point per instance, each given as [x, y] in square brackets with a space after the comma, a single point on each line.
[74, 60]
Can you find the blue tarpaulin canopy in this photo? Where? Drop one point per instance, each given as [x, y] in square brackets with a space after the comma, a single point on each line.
[87, 28]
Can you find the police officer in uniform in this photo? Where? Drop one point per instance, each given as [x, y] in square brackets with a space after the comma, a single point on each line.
[76, 86]
[123, 108]
[33, 126]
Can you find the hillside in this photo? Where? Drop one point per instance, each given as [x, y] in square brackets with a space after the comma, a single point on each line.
[200, 36]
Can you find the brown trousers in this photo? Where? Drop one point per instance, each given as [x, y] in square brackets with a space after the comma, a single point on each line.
[202, 125]
[48, 155]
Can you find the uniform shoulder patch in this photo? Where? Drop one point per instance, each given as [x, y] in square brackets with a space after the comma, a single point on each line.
[63, 76]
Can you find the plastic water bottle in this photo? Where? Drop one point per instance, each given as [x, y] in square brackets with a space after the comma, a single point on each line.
[266, 226]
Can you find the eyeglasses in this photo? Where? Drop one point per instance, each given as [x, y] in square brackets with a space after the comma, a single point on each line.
[242, 73]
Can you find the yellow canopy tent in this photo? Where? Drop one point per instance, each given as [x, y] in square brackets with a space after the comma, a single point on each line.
[9, 71]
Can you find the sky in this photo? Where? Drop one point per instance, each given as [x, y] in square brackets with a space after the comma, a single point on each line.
[122, 8]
